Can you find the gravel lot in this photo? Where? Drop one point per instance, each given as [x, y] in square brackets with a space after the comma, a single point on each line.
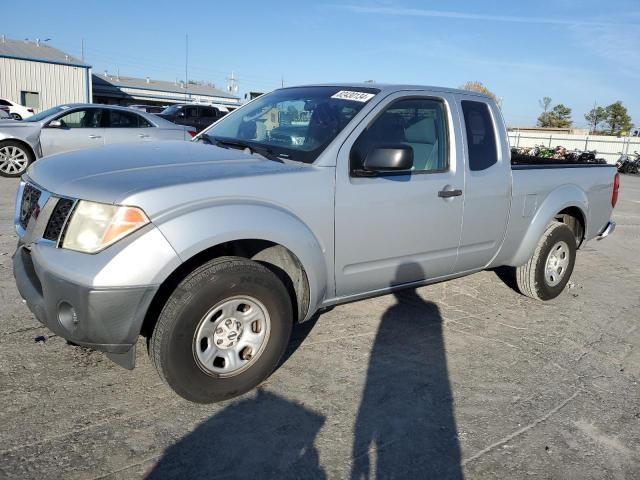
[465, 378]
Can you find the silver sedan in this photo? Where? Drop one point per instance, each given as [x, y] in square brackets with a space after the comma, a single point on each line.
[78, 126]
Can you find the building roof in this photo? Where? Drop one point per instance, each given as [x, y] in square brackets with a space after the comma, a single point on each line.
[37, 51]
[119, 81]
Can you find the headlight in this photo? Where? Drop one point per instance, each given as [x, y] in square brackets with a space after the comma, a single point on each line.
[95, 226]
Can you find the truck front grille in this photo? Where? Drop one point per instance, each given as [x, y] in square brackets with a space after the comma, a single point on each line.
[58, 219]
[29, 204]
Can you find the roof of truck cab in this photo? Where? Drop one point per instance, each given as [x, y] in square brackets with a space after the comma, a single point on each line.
[390, 88]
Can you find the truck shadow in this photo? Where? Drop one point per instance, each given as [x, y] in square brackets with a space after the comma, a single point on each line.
[266, 436]
[405, 426]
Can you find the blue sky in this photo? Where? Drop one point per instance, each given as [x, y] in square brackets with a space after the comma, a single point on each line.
[576, 51]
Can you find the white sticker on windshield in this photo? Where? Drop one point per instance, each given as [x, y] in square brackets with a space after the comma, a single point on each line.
[355, 96]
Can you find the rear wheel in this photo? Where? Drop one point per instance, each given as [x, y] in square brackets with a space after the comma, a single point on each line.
[16, 116]
[549, 269]
[223, 330]
[15, 158]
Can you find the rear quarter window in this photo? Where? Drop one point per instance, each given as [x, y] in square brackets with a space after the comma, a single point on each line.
[481, 135]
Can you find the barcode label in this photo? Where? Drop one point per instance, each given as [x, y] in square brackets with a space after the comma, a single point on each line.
[355, 96]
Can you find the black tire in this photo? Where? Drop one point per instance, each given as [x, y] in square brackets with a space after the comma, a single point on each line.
[16, 116]
[172, 342]
[10, 169]
[531, 278]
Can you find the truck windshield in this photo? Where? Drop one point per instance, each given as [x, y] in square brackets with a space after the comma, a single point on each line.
[293, 123]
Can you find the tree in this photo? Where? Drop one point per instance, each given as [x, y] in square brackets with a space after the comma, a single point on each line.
[559, 117]
[545, 103]
[595, 117]
[618, 119]
[477, 86]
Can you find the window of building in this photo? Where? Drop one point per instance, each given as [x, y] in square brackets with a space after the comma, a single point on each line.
[30, 99]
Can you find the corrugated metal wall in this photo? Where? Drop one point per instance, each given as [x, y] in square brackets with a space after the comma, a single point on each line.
[56, 84]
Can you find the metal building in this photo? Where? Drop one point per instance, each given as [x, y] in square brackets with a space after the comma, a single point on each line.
[110, 88]
[39, 76]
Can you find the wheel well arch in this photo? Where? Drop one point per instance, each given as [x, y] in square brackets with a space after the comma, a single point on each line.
[575, 219]
[277, 258]
[23, 143]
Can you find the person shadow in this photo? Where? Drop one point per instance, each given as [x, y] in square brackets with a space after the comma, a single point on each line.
[266, 436]
[405, 426]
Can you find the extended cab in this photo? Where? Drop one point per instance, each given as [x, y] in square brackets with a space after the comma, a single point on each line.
[303, 198]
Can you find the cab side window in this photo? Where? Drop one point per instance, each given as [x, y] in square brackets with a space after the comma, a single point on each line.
[481, 136]
[416, 122]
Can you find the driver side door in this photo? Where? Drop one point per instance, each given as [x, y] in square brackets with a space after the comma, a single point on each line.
[79, 129]
[395, 228]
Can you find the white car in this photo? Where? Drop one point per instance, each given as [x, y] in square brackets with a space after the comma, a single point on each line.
[17, 111]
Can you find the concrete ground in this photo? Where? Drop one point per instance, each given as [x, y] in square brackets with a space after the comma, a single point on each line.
[465, 378]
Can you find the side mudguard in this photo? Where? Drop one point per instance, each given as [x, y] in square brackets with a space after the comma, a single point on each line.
[559, 199]
[193, 231]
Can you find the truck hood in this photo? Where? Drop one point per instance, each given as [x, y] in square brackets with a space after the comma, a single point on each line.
[115, 172]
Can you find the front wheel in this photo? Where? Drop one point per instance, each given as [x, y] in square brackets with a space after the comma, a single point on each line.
[222, 331]
[15, 158]
[548, 270]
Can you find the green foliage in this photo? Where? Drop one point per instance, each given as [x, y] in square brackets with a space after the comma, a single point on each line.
[558, 117]
[477, 86]
[617, 119]
[595, 117]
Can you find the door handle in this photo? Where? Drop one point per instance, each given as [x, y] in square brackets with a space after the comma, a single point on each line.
[92, 137]
[449, 193]
[143, 135]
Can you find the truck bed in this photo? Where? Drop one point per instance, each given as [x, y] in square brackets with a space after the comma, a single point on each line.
[526, 162]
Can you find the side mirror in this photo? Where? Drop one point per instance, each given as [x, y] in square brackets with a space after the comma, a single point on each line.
[181, 114]
[54, 124]
[389, 158]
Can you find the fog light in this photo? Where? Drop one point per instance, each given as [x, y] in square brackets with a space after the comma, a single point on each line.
[67, 315]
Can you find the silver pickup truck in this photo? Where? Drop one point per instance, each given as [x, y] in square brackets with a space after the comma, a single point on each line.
[304, 198]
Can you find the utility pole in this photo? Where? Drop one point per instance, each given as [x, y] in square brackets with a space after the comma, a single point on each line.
[186, 67]
[82, 50]
[232, 86]
[282, 81]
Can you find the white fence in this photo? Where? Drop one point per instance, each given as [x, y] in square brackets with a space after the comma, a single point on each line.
[608, 147]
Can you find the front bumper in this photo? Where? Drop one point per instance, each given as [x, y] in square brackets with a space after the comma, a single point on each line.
[106, 319]
[98, 301]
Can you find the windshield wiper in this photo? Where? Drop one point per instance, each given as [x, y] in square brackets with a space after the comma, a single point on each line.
[262, 151]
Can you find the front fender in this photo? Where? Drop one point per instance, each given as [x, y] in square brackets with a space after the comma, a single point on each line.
[562, 197]
[194, 231]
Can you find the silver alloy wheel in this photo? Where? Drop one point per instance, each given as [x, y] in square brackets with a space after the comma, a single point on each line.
[231, 336]
[556, 265]
[13, 160]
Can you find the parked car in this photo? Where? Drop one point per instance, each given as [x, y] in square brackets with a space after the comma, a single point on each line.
[78, 126]
[193, 115]
[16, 111]
[149, 108]
[214, 248]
